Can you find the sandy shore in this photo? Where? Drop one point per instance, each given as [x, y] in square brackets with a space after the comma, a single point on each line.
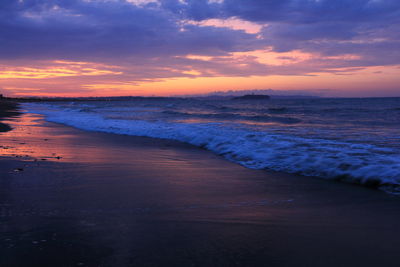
[7, 109]
[75, 198]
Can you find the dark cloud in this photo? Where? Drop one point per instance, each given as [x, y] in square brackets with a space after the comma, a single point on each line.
[312, 11]
[328, 27]
[193, 9]
[103, 29]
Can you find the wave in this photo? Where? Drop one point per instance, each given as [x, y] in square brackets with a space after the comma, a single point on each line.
[235, 116]
[278, 110]
[359, 163]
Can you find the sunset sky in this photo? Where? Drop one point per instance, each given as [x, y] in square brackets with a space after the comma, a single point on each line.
[173, 47]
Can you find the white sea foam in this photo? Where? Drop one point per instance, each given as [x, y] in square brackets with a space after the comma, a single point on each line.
[356, 162]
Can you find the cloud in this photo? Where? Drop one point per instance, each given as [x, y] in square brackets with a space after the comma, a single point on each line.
[364, 27]
[158, 39]
[105, 29]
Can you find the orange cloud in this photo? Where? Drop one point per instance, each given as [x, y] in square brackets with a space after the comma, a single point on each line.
[56, 69]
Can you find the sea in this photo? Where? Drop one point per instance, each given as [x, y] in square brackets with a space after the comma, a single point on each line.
[356, 140]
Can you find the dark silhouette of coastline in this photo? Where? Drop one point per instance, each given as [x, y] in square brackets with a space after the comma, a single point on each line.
[155, 98]
[101, 98]
[252, 97]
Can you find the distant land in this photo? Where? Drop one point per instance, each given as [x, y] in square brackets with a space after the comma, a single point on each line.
[213, 95]
[100, 98]
[252, 97]
[127, 98]
[270, 92]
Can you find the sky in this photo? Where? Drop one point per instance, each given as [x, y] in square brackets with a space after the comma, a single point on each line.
[342, 48]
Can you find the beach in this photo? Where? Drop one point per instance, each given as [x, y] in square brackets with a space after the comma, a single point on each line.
[70, 197]
[7, 109]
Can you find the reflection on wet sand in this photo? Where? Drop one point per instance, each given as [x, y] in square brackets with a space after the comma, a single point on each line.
[32, 139]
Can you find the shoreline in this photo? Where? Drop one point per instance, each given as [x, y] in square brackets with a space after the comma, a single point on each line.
[70, 197]
[326, 158]
[7, 110]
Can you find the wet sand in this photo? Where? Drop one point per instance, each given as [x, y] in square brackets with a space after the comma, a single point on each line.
[7, 109]
[75, 198]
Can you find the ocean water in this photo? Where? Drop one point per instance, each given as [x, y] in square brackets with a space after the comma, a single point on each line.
[356, 140]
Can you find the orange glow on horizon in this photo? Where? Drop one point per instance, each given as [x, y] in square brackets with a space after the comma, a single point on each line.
[73, 79]
[346, 83]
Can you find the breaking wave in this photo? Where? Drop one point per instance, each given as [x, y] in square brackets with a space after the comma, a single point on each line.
[362, 163]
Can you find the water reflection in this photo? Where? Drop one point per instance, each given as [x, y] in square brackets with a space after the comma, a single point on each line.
[29, 140]
[34, 139]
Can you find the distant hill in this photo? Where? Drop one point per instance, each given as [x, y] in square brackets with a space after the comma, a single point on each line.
[252, 97]
[270, 92]
[218, 97]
